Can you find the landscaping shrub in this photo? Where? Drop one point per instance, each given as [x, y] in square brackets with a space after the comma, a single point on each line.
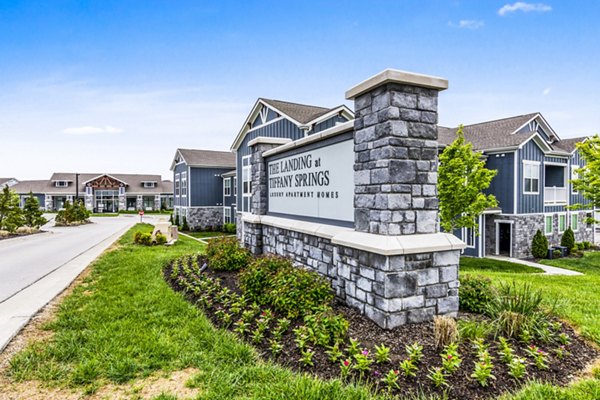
[73, 214]
[137, 236]
[291, 290]
[229, 228]
[539, 245]
[11, 216]
[225, 254]
[32, 213]
[556, 253]
[160, 239]
[176, 221]
[475, 293]
[516, 308]
[445, 331]
[184, 224]
[586, 245]
[326, 328]
[146, 239]
[568, 239]
[257, 280]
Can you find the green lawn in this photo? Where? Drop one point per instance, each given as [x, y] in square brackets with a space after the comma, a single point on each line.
[204, 235]
[472, 264]
[124, 322]
[578, 303]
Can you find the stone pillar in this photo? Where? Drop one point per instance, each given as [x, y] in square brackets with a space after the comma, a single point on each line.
[89, 201]
[395, 141]
[253, 233]
[156, 202]
[122, 202]
[140, 202]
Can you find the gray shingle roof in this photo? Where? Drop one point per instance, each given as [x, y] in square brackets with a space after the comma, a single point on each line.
[134, 183]
[4, 181]
[490, 135]
[568, 145]
[302, 113]
[208, 158]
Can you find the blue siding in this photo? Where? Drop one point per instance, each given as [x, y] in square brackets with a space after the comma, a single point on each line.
[530, 203]
[576, 159]
[40, 197]
[271, 115]
[328, 123]
[557, 160]
[279, 129]
[178, 200]
[502, 185]
[543, 133]
[206, 186]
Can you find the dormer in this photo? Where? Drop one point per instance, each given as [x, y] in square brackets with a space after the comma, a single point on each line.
[149, 184]
[61, 184]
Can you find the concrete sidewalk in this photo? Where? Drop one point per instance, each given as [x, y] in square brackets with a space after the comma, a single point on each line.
[548, 270]
[17, 310]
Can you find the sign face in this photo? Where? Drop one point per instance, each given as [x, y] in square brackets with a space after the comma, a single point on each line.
[141, 213]
[317, 183]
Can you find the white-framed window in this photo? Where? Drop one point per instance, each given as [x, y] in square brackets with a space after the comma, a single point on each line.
[89, 190]
[548, 224]
[574, 222]
[246, 176]
[227, 215]
[235, 185]
[149, 184]
[176, 184]
[183, 184]
[468, 235]
[574, 176]
[61, 183]
[531, 177]
[562, 223]
[227, 187]
[121, 190]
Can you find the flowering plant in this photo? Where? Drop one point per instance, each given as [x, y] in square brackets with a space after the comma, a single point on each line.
[345, 367]
[438, 377]
[307, 357]
[415, 352]
[538, 355]
[483, 372]
[450, 358]
[391, 379]
[409, 368]
[517, 367]
[382, 353]
[334, 352]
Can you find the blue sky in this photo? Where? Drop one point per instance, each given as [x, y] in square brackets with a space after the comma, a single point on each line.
[117, 86]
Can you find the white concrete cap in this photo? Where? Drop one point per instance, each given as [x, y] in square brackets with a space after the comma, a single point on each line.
[397, 76]
[268, 140]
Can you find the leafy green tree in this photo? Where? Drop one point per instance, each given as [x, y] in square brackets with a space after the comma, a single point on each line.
[11, 215]
[462, 177]
[588, 176]
[539, 245]
[32, 213]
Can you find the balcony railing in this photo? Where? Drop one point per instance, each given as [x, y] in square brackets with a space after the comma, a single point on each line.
[555, 195]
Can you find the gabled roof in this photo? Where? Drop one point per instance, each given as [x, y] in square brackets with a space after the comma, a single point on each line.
[134, 183]
[7, 181]
[36, 186]
[568, 145]
[302, 115]
[490, 135]
[204, 158]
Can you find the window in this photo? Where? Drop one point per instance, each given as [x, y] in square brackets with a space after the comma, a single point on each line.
[176, 184]
[88, 190]
[149, 184]
[574, 222]
[548, 228]
[531, 177]
[183, 184]
[235, 186]
[469, 237]
[574, 176]
[227, 187]
[61, 183]
[246, 178]
[562, 223]
[227, 215]
[121, 190]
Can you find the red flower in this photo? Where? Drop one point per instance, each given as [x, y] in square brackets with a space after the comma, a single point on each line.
[346, 363]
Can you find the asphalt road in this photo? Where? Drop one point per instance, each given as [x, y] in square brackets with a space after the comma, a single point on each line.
[26, 260]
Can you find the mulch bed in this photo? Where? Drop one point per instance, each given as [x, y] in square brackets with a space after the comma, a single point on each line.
[16, 235]
[461, 385]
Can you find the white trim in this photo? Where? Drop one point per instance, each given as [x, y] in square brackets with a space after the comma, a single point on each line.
[343, 109]
[481, 237]
[465, 235]
[545, 125]
[264, 124]
[396, 76]
[551, 224]
[110, 176]
[268, 140]
[576, 216]
[556, 164]
[536, 164]
[573, 169]
[511, 223]
[225, 187]
[539, 140]
[516, 184]
[562, 214]
[325, 134]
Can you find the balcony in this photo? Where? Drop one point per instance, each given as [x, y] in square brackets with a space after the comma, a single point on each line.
[555, 196]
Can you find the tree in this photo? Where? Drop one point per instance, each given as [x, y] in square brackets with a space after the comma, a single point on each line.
[588, 176]
[11, 216]
[32, 213]
[539, 245]
[568, 239]
[462, 177]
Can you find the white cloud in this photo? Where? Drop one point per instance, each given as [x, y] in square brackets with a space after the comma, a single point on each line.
[92, 130]
[470, 24]
[524, 7]
[547, 91]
